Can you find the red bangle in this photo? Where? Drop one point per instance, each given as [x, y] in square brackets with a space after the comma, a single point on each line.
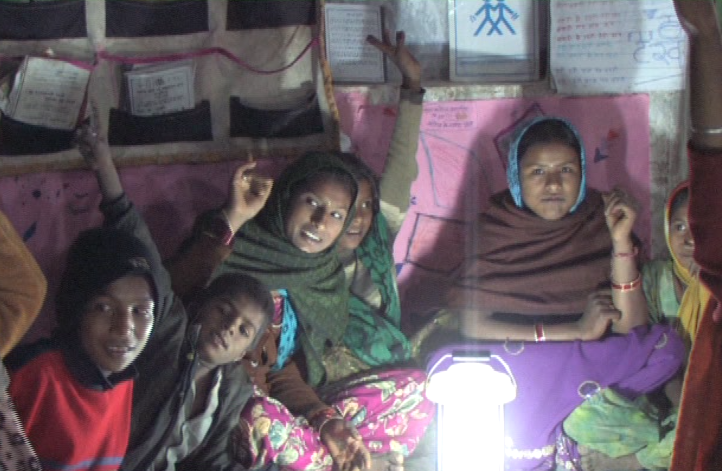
[229, 236]
[632, 254]
[539, 335]
[322, 417]
[220, 228]
[631, 286]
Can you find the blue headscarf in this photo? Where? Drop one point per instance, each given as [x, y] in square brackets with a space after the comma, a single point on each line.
[512, 171]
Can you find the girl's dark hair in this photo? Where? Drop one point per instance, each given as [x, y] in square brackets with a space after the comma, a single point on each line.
[240, 285]
[362, 172]
[680, 199]
[336, 175]
[548, 131]
[97, 258]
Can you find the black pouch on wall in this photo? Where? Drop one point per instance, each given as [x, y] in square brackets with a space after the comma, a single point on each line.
[270, 13]
[42, 20]
[252, 122]
[188, 125]
[132, 19]
[17, 138]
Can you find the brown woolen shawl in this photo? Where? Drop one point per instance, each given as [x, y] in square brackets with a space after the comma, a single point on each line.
[523, 264]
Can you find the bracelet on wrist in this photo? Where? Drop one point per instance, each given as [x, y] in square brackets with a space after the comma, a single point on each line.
[706, 131]
[323, 417]
[539, 334]
[227, 220]
[632, 254]
[323, 424]
[631, 286]
[219, 227]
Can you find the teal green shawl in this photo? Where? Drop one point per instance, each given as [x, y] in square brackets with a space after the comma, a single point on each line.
[315, 282]
[374, 336]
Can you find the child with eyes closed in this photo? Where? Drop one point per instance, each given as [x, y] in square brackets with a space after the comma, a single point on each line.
[190, 387]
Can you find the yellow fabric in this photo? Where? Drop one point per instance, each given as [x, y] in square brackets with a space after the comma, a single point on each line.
[696, 296]
[22, 287]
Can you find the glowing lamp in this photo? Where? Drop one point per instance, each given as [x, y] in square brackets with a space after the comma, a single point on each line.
[470, 394]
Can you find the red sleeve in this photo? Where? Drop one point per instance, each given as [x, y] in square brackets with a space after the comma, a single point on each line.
[705, 216]
[699, 427]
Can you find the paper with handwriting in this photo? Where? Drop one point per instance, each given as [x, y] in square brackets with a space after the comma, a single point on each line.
[618, 46]
[351, 58]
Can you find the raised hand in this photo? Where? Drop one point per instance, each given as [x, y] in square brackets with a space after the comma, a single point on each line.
[402, 58]
[345, 446]
[698, 17]
[91, 140]
[247, 195]
[620, 212]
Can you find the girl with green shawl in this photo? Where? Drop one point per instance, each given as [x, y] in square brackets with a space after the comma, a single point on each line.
[291, 246]
[374, 333]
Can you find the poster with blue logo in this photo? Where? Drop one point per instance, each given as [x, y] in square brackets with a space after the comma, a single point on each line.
[494, 40]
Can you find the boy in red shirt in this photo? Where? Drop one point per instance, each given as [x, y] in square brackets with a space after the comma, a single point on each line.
[73, 392]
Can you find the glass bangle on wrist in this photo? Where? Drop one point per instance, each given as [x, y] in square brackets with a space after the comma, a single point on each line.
[539, 334]
[219, 228]
[632, 254]
[706, 131]
[322, 417]
[631, 286]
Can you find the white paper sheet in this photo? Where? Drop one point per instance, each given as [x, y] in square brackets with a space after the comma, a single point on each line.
[618, 46]
[351, 58]
[161, 89]
[48, 93]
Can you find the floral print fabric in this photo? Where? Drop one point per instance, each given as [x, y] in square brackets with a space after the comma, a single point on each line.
[16, 453]
[389, 410]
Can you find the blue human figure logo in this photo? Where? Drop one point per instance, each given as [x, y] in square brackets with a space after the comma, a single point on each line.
[502, 10]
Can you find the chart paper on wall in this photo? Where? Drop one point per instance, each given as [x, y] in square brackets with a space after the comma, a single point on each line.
[352, 59]
[620, 46]
[494, 40]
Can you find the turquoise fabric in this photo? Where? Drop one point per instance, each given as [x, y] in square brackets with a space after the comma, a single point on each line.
[289, 329]
[374, 335]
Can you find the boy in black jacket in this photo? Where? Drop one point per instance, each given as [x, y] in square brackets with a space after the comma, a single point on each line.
[190, 389]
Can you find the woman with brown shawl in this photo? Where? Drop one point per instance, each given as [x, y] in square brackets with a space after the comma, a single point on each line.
[540, 270]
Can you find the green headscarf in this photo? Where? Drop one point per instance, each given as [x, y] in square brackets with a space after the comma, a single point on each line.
[314, 281]
[374, 335]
